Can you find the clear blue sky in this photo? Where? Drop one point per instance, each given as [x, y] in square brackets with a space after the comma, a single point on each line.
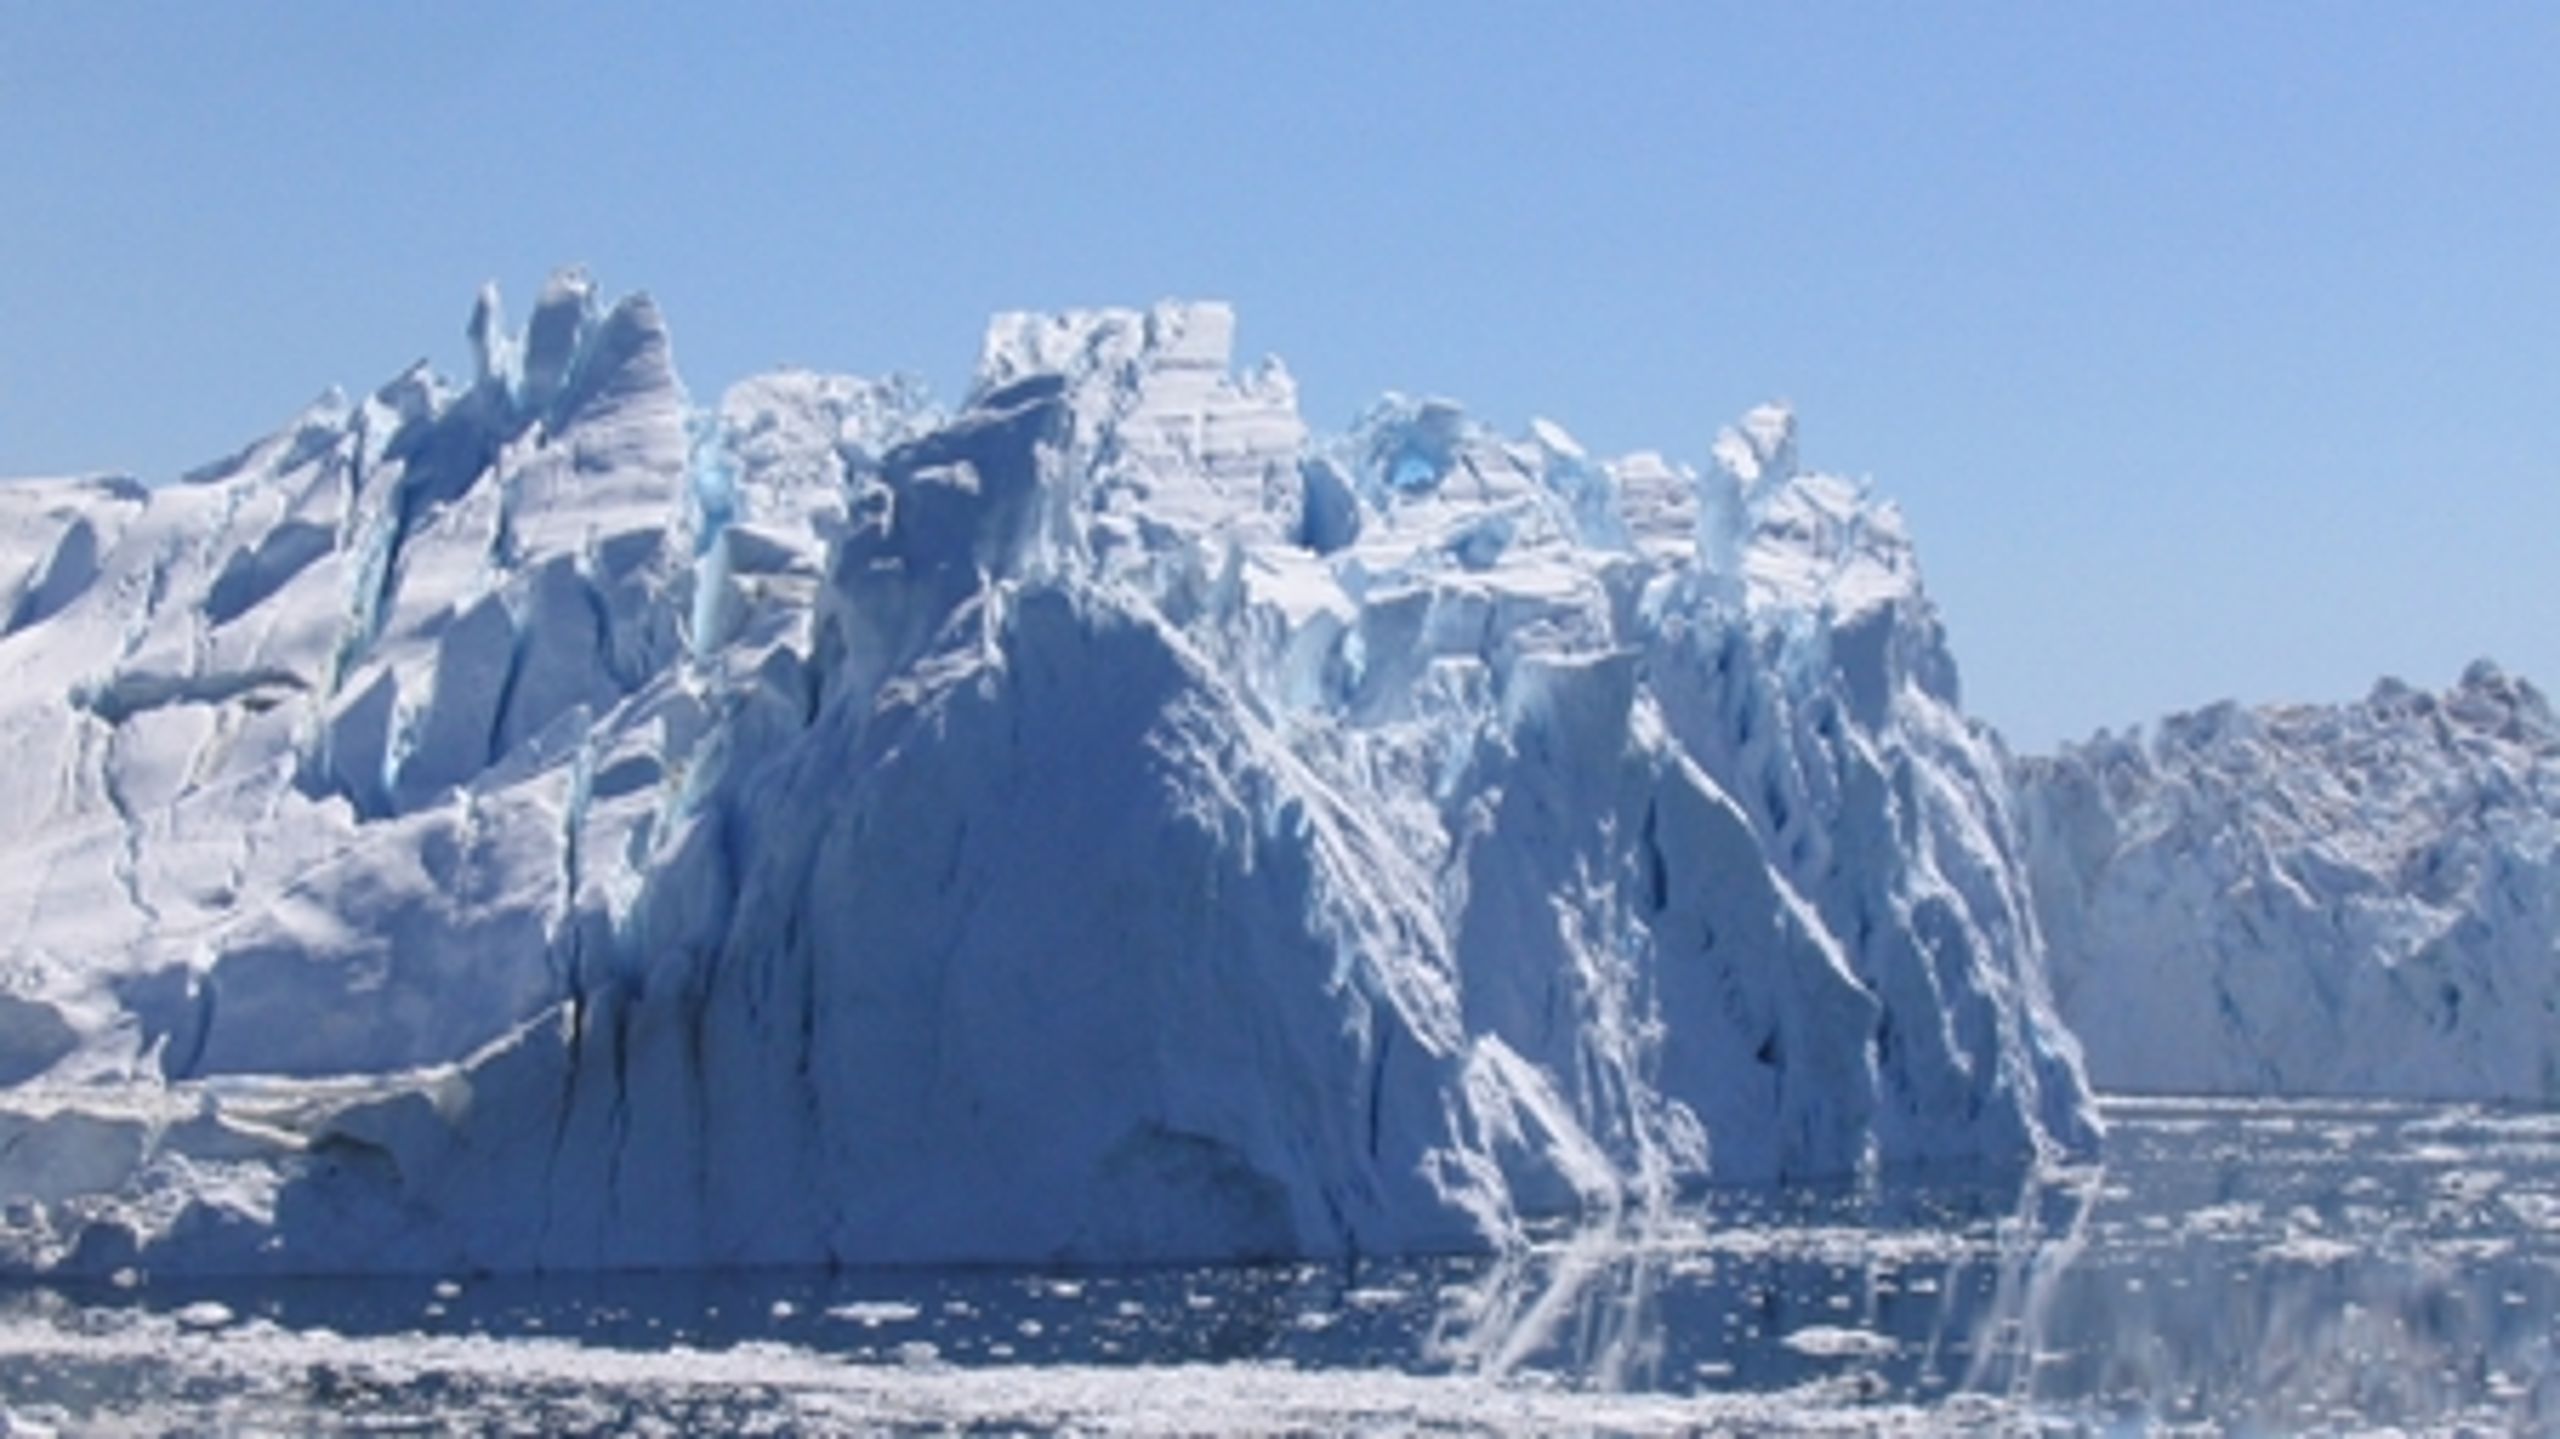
[2212, 349]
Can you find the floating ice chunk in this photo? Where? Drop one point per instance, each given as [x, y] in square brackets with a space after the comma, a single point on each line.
[203, 1314]
[1828, 1341]
[873, 1313]
[577, 829]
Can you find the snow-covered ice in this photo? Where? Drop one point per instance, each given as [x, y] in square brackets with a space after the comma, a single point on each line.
[543, 822]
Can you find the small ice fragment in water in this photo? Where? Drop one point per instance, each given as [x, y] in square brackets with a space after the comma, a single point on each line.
[872, 1313]
[1827, 1341]
[203, 1314]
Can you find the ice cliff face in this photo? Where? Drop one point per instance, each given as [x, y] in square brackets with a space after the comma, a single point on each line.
[2359, 899]
[539, 823]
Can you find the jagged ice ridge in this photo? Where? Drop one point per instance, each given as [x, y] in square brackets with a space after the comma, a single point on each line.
[540, 822]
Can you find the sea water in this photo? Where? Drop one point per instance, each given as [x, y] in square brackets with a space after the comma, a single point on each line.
[2246, 1265]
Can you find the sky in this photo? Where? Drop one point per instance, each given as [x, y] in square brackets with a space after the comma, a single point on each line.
[2211, 350]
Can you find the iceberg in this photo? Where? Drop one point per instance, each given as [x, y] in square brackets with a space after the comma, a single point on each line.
[2358, 899]
[545, 823]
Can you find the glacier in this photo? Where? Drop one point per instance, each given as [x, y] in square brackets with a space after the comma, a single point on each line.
[541, 822]
[2356, 899]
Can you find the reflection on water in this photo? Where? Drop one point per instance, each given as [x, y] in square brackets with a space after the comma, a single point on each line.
[1910, 1293]
[2256, 1265]
[2307, 1265]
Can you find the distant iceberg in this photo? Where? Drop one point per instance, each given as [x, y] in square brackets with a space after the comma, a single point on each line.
[2358, 899]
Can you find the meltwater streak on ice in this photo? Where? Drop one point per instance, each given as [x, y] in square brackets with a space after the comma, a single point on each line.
[539, 823]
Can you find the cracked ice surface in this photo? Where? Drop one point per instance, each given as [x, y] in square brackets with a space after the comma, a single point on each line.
[545, 823]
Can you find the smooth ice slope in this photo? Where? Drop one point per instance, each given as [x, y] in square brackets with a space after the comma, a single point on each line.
[538, 822]
[2353, 899]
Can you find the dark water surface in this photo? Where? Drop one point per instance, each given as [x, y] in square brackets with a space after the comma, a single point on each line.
[2247, 1265]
